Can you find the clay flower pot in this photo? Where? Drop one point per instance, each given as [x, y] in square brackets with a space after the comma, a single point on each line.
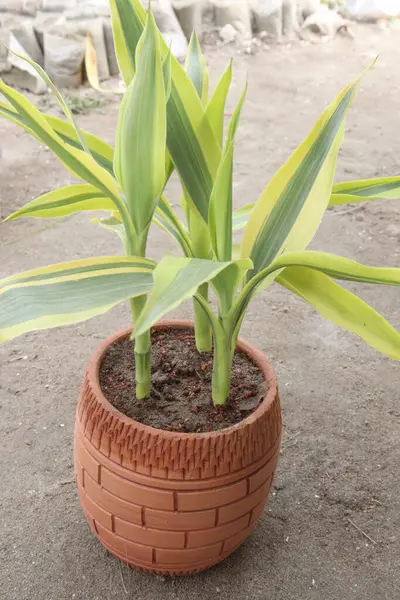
[173, 503]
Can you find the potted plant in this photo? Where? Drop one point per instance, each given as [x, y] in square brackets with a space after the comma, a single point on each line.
[176, 443]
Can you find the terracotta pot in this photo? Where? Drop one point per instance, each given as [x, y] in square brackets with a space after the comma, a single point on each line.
[173, 503]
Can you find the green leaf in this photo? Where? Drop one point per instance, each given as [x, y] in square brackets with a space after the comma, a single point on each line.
[337, 267]
[241, 216]
[342, 308]
[65, 108]
[235, 120]
[175, 279]
[191, 142]
[215, 110]
[102, 152]
[167, 74]
[196, 68]
[220, 210]
[79, 163]
[342, 193]
[141, 136]
[69, 292]
[127, 29]
[290, 210]
[114, 225]
[226, 283]
[166, 218]
[365, 189]
[63, 202]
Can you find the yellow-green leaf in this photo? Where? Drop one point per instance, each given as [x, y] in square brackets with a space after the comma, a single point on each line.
[196, 68]
[69, 292]
[241, 216]
[215, 109]
[235, 119]
[337, 267]
[175, 279]
[342, 193]
[342, 308]
[127, 32]
[78, 162]
[220, 210]
[290, 210]
[64, 106]
[365, 189]
[114, 225]
[139, 162]
[102, 152]
[167, 74]
[65, 201]
[191, 142]
[166, 218]
[227, 281]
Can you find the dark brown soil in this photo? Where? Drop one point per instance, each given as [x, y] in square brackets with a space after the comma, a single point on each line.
[181, 379]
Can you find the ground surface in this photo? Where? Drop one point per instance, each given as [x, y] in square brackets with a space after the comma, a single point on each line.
[339, 467]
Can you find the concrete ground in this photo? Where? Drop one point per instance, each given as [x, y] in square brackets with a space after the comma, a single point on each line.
[332, 528]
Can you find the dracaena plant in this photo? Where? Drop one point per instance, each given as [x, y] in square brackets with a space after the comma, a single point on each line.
[165, 102]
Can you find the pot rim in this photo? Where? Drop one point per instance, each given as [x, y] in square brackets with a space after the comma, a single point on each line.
[250, 351]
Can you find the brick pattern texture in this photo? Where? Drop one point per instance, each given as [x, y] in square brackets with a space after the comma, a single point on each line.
[173, 503]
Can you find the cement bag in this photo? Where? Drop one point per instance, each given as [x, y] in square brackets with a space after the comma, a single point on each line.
[80, 27]
[235, 13]
[56, 5]
[21, 7]
[88, 9]
[263, 11]
[110, 47]
[63, 59]
[189, 13]
[8, 21]
[46, 21]
[372, 9]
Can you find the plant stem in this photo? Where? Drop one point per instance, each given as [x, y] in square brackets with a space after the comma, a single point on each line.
[142, 353]
[222, 369]
[202, 329]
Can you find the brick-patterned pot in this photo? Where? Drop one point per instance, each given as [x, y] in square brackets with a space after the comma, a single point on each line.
[173, 503]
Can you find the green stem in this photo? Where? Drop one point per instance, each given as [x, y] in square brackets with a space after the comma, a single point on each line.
[202, 328]
[201, 246]
[142, 353]
[222, 370]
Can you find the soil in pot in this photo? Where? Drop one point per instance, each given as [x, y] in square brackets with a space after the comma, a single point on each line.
[181, 381]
